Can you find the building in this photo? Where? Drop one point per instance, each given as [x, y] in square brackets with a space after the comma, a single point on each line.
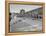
[32, 13]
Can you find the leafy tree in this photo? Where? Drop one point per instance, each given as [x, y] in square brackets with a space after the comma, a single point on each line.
[22, 11]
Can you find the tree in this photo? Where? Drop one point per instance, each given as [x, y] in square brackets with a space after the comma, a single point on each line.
[22, 11]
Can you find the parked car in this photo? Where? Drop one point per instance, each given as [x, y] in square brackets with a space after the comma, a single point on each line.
[36, 16]
[40, 16]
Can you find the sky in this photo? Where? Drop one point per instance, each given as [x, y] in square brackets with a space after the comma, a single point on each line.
[17, 7]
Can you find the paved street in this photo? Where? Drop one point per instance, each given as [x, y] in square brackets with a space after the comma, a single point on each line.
[26, 24]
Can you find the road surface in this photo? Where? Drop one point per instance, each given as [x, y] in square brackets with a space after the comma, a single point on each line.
[25, 24]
